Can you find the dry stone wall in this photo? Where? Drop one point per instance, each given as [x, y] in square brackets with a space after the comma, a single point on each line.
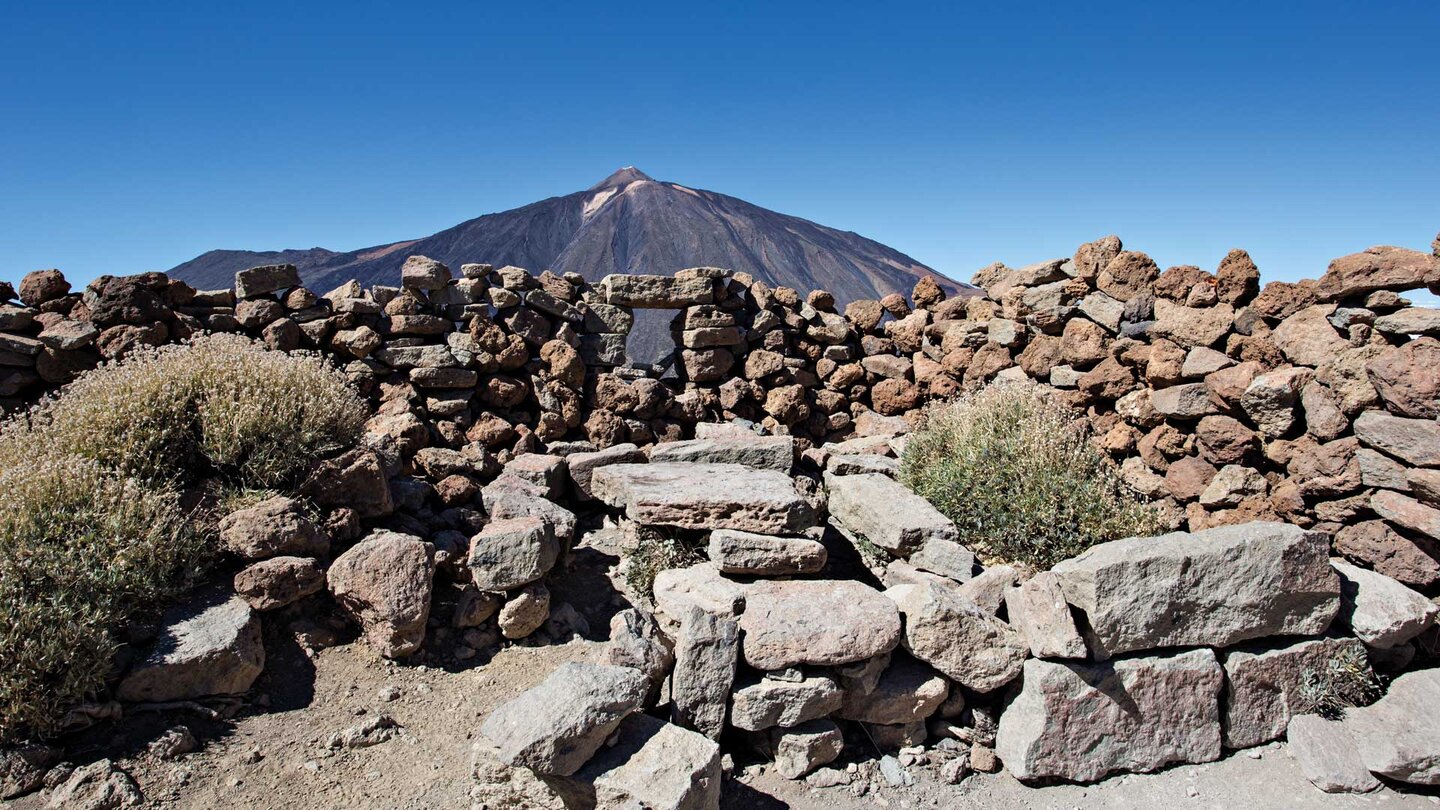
[505, 414]
[1313, 403]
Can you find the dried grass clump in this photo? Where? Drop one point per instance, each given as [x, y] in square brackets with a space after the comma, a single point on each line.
[81, 549]
[220, 405]
[652, 551]
[1346, 681]
[92, 530]
[1020, 478]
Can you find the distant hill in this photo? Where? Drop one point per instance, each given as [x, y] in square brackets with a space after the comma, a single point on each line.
[627, 223]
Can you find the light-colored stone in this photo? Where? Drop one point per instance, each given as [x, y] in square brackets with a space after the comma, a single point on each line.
[1327, 755]
[656, 292]
[769, 702]
[764, 555]
[803, 748]
[557, 726]
[208, 646]
[1038, 611]
[818, 622]
[582, 466]
[704, 496]
[907, 691]
[1082, 722]
[1399, 735]
[958, 638]
[1416, 441]
[507, 554]
[1380, 611]
[760, 452]
[652, 764]
[1214, 587]
[886, 513]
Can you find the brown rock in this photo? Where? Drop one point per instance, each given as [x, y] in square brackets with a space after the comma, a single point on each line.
[1307, 338]
[274, 527]
[1378, 268]
[891, 397]
[1237, 279]
[1175, 283]
[1188, 477]
[1408, 378]
[1413, 562]
[1093, 257]
[42, 286]
[384, 583]
[1109, 380]
[1281, 299]
[279, 581]
[927, 293]
[1127, 275]
[1083, 343]
[1225, 440]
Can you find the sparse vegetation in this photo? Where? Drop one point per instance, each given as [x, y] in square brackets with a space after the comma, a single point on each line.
[1020, 479]
[83, 549]
[652, 552]
[221, 405]
[1346, 681]
[93, 530]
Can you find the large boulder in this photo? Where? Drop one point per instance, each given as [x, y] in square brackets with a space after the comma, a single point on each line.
[555, 727]
[1399, 735]
[879, 509]
[1263, 684]
[208, 646]
[1081, 722]
[1212, 588]
[384, 583]
[704, 496]
[656, 292]
[817, 622]
[957, 637]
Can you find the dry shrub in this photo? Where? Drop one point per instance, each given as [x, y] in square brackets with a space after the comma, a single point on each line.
[220, 405]
[1020, 478]
[1346, 681]
[92, 530]
[81, 549]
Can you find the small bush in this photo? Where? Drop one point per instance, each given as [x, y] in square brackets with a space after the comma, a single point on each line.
[1020, 479]
[81, 549]
[221, 405]
[92, 530]
[1346, 681]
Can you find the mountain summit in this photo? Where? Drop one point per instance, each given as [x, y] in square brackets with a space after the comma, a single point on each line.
[626, 223]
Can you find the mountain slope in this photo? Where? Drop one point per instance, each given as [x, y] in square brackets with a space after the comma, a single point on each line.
[627, 223]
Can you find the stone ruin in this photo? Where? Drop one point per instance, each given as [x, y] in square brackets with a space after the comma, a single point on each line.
[1289, 435]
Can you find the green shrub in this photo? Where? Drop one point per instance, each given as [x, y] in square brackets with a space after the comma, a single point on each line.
[1020, 478]
[81, 549]
[220, 405]
[92, 530]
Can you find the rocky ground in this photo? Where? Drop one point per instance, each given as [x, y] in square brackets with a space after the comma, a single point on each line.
[282, 758]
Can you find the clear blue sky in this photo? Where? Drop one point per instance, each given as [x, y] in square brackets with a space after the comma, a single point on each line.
[134, 136]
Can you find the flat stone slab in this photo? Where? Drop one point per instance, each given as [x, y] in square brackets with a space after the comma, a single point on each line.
[817, 622]
[653, 764]
[883, 511]
[1211, 588]
[209, 646]
[555, 727]
[754, 450]
[656, 292]
[1379, 610]
[1082, 722]
[704, 496]
[1327, 755]
[764, 555]
[768, 702]
[956, 636]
